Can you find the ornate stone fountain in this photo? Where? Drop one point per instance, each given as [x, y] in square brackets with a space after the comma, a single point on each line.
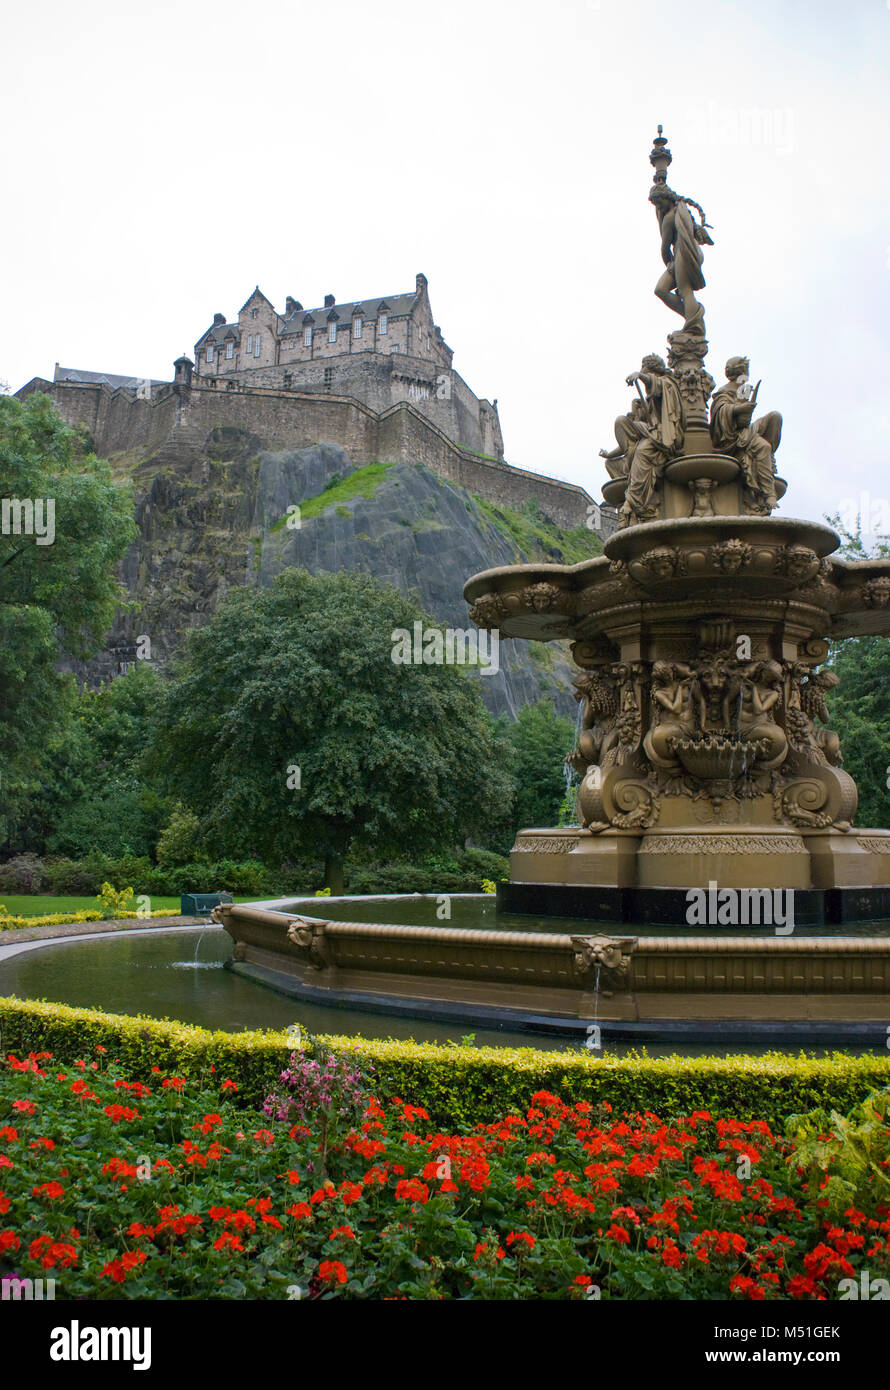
[700, 636]
[705, 755]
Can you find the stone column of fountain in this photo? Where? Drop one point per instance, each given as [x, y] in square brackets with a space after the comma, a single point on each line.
[701, 637]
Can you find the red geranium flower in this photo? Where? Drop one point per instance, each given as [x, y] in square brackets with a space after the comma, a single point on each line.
[51, 1190]
[119, 1268]
[209, 1122]
[116, 1113]
[228, 1240]
[412, 1190]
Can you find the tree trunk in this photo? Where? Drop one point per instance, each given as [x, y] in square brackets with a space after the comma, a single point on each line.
[333, 874]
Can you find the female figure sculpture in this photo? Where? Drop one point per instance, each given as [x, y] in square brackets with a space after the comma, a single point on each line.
[752, 442]
[673, 715]
[761, 691]
[663, 439]
[681, 241]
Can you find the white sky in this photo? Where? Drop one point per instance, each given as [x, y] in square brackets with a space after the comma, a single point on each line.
[162, 159]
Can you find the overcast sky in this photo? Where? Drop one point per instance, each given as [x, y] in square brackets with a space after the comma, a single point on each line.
[161, 160]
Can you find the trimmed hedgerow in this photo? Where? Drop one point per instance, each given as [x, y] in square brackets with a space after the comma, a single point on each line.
[461, 1085]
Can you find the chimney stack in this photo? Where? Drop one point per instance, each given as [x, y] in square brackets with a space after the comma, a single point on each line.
[329, 301]
[218, 318]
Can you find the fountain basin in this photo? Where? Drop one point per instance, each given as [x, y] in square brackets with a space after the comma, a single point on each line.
[636, 986]
[718, 756]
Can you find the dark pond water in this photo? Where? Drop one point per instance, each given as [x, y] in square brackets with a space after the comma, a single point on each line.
[478, 912]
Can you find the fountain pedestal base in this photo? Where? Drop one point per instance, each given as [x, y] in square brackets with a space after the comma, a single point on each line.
[637, 876]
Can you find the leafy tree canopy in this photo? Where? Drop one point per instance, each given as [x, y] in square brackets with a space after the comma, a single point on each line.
[860, 705]
[92, 793]
[539, 740]
[58, 590]
[289, 729]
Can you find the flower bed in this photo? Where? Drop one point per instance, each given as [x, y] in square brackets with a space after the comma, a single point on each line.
[120, 1189]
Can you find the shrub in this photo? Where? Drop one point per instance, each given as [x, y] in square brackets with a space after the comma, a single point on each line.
[24, 874]
[464, 1085]
[461, 873]
[58, 919]
[112, 903]
[70, 878]
[178, 841]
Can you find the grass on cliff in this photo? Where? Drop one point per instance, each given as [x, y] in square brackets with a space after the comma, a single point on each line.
[535, 536]
[364, 482]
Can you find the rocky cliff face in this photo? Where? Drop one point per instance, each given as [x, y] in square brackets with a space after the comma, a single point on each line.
[220, 512]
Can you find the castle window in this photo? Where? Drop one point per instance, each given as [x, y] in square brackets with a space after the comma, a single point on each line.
[307, 335]
[357, 327]
[382, 323]
[209, 352]
[249, 344]
[230, 350]
[328, 377]
[256, 346]
[394, 348]
[332, 333]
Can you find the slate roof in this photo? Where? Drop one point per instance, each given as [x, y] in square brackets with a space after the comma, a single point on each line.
[101, 378]
[398, 305]
[218, 332]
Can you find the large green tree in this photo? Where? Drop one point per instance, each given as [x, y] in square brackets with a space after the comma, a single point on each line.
[290, 730]
[539, 740]
[860, 714]
[92, 793]
[860, 705]
[58, 589]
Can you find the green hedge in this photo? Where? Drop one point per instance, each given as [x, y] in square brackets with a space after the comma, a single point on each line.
[461, 1086]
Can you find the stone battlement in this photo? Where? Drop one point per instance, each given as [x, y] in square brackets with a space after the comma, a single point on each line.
[183, 414]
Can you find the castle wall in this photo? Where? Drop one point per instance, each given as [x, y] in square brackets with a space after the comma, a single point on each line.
[381, 381]
[399, 432]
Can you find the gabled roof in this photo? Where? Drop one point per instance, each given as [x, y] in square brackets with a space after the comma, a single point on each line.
[257, 294]
[218, 332]
[396, 306]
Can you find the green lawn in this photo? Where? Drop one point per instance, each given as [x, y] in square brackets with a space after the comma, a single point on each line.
[28, 905]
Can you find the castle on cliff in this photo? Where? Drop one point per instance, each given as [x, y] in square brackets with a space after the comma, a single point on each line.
[380, 351]
[374, 376]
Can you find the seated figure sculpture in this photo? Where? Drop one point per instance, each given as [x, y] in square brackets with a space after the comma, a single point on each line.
[629, 430]
[752, 442]
[662, 439]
